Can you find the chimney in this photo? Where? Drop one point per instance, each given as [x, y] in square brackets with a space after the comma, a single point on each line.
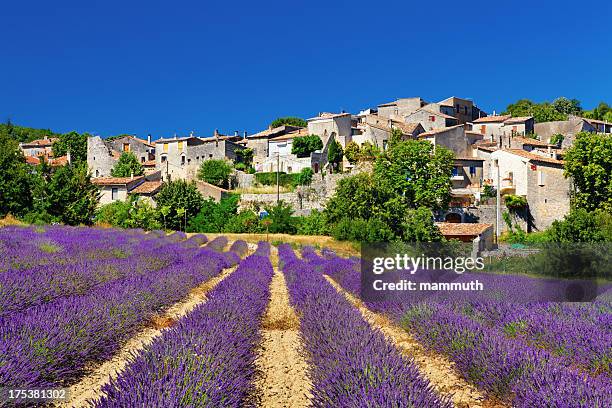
[149, 138]
[216, 134]
[191, 134]
[236, 133]
[244, 135]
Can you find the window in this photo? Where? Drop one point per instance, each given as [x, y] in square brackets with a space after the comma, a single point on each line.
[165, 147]
[97, 173]
[126, 147]
[465, 110]
[188, 161]
[455, 171]
[182, 160]
[472, 170]
[210, 156]
[142, 159]
[432, 118]
[164, 158]
[384, 145]
[540, 178]
[483, 129]
[114, 194]
[289, 169]
[180, 145]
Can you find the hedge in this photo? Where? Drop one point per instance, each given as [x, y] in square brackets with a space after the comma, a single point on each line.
[269, 178]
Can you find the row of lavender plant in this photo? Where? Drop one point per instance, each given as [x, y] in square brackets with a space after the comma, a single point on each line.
[51, 343]
[72, 274]
[513, 370]
[351, 364]
[207, 359]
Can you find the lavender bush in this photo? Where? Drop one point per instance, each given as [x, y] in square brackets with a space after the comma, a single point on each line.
[207, 360]
[351, 364]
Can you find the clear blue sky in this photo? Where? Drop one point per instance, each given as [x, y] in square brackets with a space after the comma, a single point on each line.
[162, 67]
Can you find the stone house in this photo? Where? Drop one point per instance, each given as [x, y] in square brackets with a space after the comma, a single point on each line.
[568, 128]
[400, 107]
[481, 235]
[116, 188]
[258, 142]
[601, 126]
[430, 119]
[102, 155]
[181, 157]
[538, 178]
[497, 127]
[464, 110]
[38, 147]
[328, 125]
[377, 130]
[281, 158]
[452, 138]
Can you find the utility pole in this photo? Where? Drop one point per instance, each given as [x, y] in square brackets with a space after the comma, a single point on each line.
[277, 177]
[497, 203]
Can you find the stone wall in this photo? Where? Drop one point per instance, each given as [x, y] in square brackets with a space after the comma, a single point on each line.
[99, 158]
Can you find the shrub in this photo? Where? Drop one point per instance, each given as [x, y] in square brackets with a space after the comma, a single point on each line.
[269, 179]
[581, 225]
[335, 154]
[176, 195]
[419, 226]
[313, 224]
[215, 172]
[352, 152]
[515, 202]
[281, 218]
[360, 230]
[304, 177]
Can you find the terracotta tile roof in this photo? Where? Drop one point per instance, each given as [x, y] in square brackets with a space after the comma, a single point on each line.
[534, 157]
[493, 119]
[274, 131]
[59, 161]
[149, 163]
[112, 181]
[465, 229]
[469, 158]
[328, 115]
[383, 123]
[530, 142]
[32, 160]
[147, 187]
[291, 135]
[40, 142]
[487, 148]
[439, 130]
[518, 119]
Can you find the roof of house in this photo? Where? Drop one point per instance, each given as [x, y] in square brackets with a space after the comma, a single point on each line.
[439, 130]
[114, 181]
[493, 119]
[383, 123]
[533, 156]
[462, 229]
[487, 148]
[601, 122]
[273, 131]
[149, 163]
[32, 160]
[53, 162]
[443, 115]
[518, 119]
[46, 142]
[468, 158]
[291, 135]
[152, 144]
[471, 132]
[147, 187]
[329, 115]
[530, 142]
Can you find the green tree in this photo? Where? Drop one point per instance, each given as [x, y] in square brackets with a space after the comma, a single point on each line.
[245, 157]
[127, 166]
[302, 146]
[16, 181]
[352, 152]
[419, 226]
[72, 197]
[312, 224]
[215, 172]
[289, 120]
[567, 106]
[24, 134]
[179, 194]
[557, 139]
[417, 173]
[75, 143]
[589, 163]
[214, 217]
[545, 112]
[369, 151]
[335, 154]
[395, 137]
[581, 225]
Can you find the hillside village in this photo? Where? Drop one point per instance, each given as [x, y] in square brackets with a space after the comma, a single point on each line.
[509, 155]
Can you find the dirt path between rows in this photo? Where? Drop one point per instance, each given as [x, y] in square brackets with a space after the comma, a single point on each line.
[283, 380]
[436, 368]
[90, 386]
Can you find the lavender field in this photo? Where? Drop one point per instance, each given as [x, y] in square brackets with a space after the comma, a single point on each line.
[181, 322]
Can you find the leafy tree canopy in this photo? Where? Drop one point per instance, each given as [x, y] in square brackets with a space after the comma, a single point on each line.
[74, 142]
[352, 152]
[126, 166]
[215, 172]
[302, 146]
[24, 134]
[589, 163]
[289, 120]
[16, 180]
[176, 195]
[334, 154]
